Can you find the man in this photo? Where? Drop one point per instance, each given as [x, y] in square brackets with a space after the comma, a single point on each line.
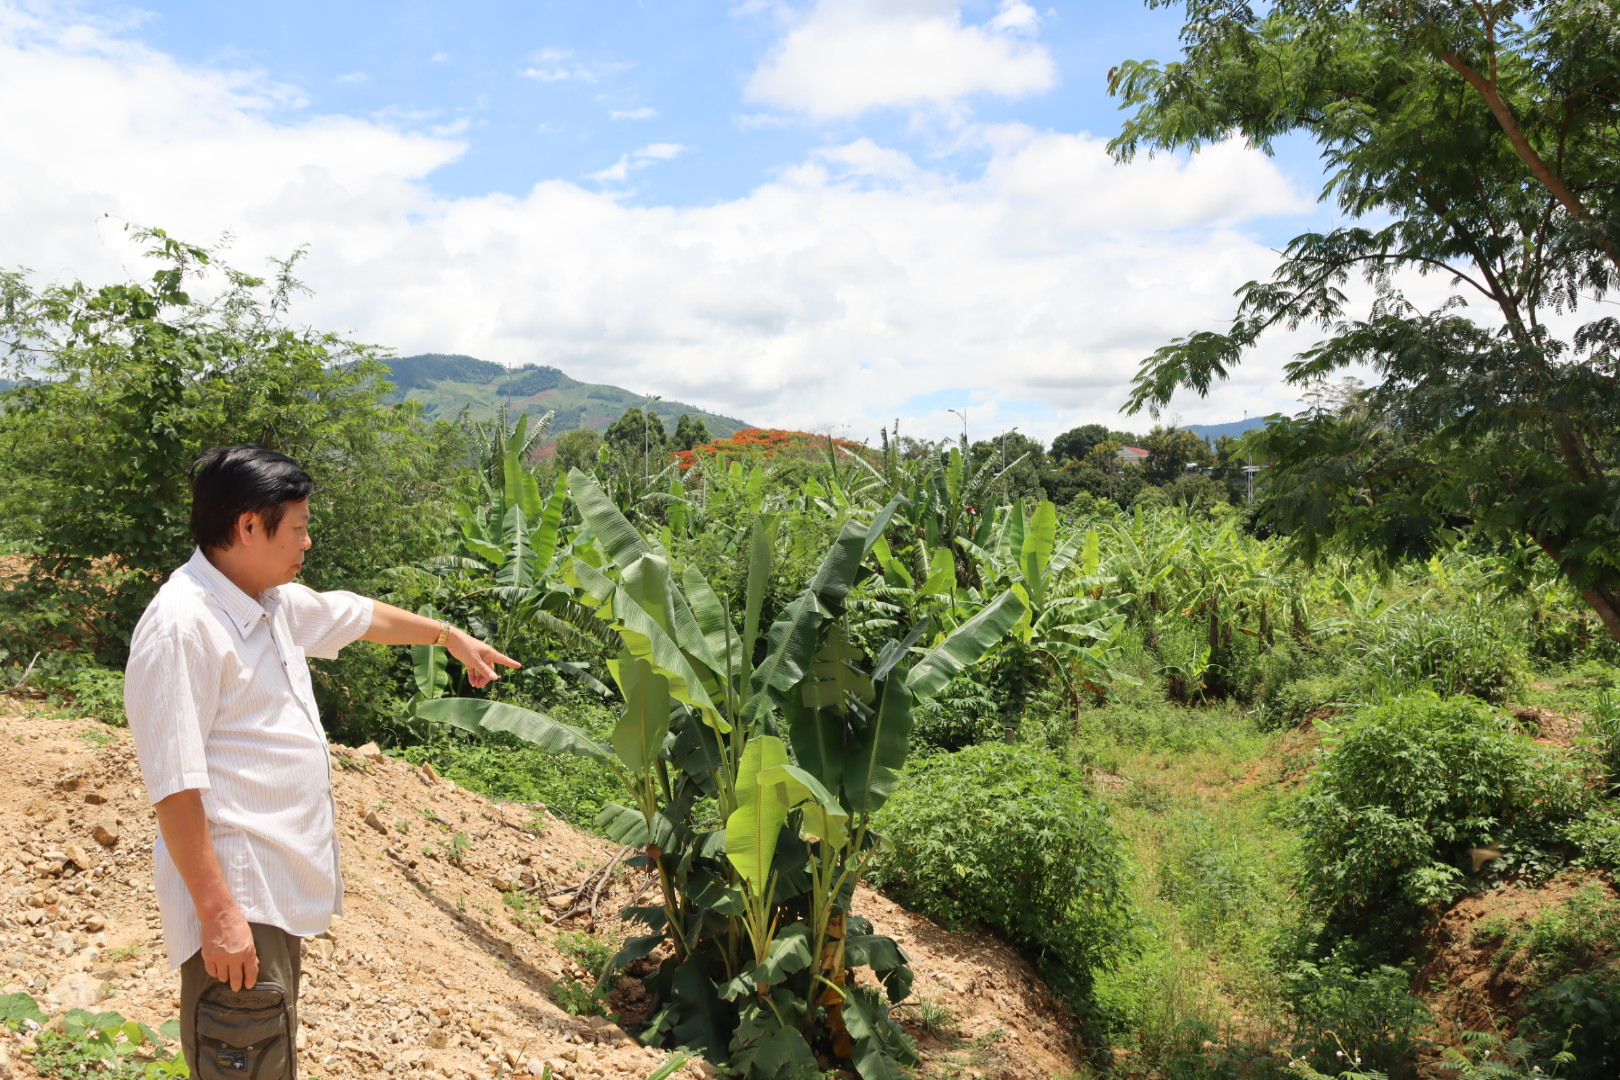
[234, 757]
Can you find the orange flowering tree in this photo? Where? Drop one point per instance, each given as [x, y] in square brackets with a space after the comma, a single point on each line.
[758, 445]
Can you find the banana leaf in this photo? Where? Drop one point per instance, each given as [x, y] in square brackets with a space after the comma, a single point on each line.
[475, 714]
[965, 645]
[614, 533]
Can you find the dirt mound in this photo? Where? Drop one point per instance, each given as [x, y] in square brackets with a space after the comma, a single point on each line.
[1462, 977]
[444, 965]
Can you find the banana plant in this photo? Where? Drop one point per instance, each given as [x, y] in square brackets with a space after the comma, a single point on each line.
[753, 755]
[509, 550]
[1069, 625]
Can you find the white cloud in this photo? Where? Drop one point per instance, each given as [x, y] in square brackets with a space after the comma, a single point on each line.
[620, 170]
[352, 77]
[1015, 17]
[644, 112]
[560, 65]
[846, 57]
[854, 286]
[439, 58]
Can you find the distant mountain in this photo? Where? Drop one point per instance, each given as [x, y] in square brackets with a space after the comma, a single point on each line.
[6, 384]
[1236, 427]
[445, 384]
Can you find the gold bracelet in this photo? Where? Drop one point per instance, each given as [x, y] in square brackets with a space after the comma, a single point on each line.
[444, 634]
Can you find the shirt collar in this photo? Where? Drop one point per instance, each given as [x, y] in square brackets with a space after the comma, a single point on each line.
[243, 611]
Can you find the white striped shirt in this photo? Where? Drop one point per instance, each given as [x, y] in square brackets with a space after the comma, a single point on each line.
[219, 699]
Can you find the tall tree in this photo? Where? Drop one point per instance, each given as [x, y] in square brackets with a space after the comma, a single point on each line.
[1479, 142]
[1076, 443]
[1172, 450]
[639, 436]
[690, 431]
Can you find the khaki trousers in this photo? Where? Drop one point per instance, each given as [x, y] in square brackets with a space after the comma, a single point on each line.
[247, 1034]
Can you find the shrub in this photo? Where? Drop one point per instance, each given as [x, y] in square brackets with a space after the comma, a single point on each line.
[1211, 878]
[962, 714]
[1408, 788]
[1346, 1017]
[1602, 739]
[1008, 838]
[1578, 1015]
[1597, 838]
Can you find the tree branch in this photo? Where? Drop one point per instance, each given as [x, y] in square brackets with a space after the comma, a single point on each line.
[1488, 89]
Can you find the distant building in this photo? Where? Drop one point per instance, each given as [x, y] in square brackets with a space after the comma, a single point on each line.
[1134, 454]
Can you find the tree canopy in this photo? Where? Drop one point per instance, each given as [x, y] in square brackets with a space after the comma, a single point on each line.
[123, 385]
[1477, 142]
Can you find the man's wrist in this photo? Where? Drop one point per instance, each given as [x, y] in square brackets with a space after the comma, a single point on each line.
[217, 909]
[443, 638]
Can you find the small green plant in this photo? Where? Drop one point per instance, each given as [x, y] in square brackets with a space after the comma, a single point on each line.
[455, 847]
[579, 998]
[19, 1010]
[584, 950]
[931, 1014]
[1485, 1055]
[1577, 1016]
[103, 1043]
[1365, 1019]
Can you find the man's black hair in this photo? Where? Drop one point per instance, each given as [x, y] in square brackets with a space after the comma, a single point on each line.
[229, 481]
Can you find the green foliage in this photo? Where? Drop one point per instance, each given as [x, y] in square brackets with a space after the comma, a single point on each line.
[133, 381]
[1597, 837]
[1578, 1015]
[1346, 1017]
[1018, 461]
[583, 949]
[19, 1009]
[638, 436]
[1601, 737]
[1172, 450]
[503, 766]
[1473, 650]
[1007, 838]
[100, 1044]
[690, 431]
[762, 949]
[1407, 788]
[1214, 880]
[1468, 141]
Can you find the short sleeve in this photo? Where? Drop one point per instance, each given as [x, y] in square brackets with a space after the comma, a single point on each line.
[171, 696]
[323, 622]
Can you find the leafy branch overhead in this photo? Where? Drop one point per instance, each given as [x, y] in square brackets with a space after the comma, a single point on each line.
[1476, 142]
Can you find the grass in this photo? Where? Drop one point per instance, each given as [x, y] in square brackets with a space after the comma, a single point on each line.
[1210, 850]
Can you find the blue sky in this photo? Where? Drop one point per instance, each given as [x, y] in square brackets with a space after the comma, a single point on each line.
[607, 77]
[820, 213]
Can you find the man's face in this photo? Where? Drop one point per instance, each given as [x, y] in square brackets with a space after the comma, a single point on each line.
[278, 558]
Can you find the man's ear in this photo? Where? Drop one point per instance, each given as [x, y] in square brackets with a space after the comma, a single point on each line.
[249, 527]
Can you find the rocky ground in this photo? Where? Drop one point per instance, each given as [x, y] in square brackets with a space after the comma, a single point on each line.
[446, 963]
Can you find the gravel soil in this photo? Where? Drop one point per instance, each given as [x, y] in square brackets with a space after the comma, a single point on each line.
[444, 965]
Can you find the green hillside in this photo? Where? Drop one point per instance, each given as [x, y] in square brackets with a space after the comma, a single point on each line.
[445, 384]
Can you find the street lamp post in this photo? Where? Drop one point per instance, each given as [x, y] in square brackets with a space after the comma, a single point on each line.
[646, 429]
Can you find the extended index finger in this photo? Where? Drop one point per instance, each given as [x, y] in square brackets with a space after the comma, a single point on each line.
[501, 658]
